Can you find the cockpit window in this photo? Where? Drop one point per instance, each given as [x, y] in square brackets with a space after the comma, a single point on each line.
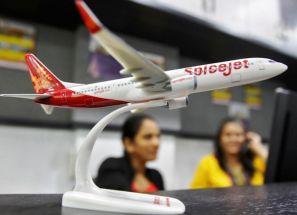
[271, 61]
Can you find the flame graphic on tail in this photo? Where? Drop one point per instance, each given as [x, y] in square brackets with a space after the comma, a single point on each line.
[42, 78]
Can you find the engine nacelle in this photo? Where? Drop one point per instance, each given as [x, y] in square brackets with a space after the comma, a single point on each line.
[184, 83]
[177, 103]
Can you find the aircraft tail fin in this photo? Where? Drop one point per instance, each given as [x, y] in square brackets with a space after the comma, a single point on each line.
[42, 78]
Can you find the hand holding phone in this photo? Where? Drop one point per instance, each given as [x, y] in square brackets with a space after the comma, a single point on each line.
[255, 144]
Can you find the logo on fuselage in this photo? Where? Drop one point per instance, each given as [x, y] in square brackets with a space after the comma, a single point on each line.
[224, 68]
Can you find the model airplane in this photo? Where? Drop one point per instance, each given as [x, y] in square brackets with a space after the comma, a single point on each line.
[148, 82]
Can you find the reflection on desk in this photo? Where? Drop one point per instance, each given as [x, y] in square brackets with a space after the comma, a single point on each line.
[270, 199]
[74, 211]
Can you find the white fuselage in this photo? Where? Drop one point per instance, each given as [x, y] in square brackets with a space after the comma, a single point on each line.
[207, 77]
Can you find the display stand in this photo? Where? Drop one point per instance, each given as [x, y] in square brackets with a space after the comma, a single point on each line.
[86, 195]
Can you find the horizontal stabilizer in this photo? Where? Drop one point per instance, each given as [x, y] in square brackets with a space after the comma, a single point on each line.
[27, 96]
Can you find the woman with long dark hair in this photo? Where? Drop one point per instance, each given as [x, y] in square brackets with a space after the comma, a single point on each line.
[238, 159]
[141, 139]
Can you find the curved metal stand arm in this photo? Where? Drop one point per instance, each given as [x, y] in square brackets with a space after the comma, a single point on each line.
[82, 173]
[86, 195]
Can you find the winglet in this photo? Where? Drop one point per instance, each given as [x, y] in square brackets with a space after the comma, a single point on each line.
[89, 18]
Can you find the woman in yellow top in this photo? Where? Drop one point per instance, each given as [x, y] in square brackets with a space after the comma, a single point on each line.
[239, 159]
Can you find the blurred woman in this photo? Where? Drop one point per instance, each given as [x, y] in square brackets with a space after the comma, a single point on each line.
[141, 139]
[239, 159]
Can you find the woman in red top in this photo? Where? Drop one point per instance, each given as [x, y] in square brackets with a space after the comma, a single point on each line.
[141, 139]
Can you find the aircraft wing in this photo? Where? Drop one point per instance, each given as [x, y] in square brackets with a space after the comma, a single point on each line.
[149, 76]
[27, 96]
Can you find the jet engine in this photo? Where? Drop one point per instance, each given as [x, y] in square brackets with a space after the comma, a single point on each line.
[184, 83]
[177, 103]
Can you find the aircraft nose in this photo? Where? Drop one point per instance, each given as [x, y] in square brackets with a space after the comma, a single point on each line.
[282, 67]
